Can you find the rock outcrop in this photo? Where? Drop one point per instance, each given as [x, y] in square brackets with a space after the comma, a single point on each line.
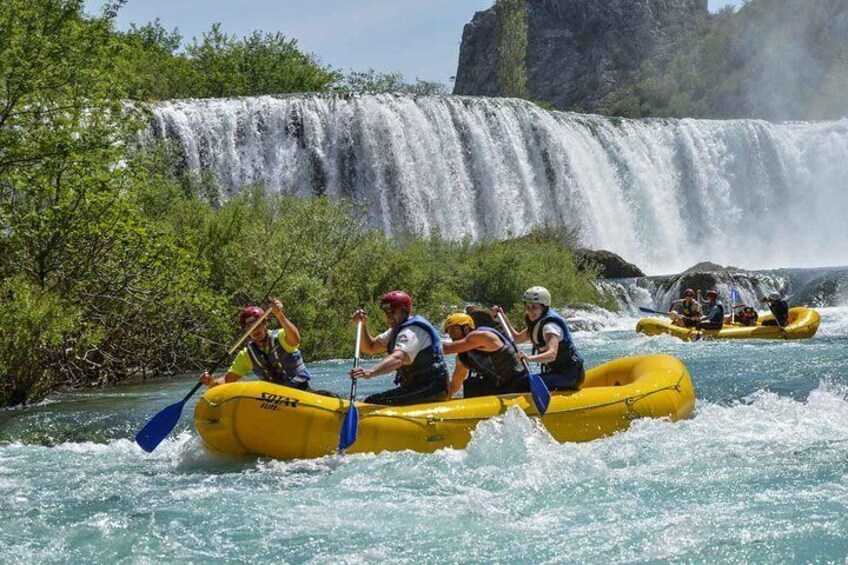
[578, 50]
[610, 265]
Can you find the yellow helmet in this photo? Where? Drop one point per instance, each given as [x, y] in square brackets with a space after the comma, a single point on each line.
[459, 319]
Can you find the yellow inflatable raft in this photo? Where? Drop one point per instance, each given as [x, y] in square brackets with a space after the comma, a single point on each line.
[803, 324]
[275, 421]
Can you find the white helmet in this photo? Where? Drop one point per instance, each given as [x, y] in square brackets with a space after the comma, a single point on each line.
[774, 296]
[537, 295]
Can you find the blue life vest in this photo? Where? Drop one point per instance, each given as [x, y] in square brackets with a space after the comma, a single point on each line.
[429, 364]
[277, 365]
[567, 354]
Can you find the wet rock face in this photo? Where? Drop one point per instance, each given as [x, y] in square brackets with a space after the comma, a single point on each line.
[828, 290]
[578, 50]
[611, 266]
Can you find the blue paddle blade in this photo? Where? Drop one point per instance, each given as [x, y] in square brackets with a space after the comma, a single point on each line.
[159, 427]
[350, 427]
[541, 394]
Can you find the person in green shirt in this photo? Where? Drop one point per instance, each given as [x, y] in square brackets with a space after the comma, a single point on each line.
[273, 355]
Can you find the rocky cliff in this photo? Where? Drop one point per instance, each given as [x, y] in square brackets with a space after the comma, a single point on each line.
[578, 50]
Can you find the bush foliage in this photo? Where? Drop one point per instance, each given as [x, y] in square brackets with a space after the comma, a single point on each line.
[773, 59]
[112, 264]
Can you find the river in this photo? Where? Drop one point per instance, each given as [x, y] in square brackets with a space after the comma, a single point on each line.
[759, 474]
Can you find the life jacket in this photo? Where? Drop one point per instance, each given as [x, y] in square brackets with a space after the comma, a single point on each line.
[567, 355]
[429, 364]
[716, 313]
[747, 316]
[689, 310]
[780, 309]
[503, 365]
[277, 365]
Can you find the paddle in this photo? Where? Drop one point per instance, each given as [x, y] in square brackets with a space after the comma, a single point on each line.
[776, 321]
[652, 311]
[158, 428]
[350, 426]
[164, 421]
[538, 389]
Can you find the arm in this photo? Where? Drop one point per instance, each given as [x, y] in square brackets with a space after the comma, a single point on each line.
[517, 336]
[388, 365]
[550, 352]
[292, 335]
[241, 366]
[460, 373]
[368, 343]
[211, 380]
[484, 341]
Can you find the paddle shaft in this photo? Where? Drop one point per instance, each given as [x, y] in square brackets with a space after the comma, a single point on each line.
[652, 311]
[508, 334]
[164, 421]
[229, 352]
[359, 325]
[245, 335]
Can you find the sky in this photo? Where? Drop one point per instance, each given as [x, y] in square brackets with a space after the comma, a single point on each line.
[417, 38]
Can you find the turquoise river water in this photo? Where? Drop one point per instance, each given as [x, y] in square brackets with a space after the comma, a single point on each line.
[759, 474]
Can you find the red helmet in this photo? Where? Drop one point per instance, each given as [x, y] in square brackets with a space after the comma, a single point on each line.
[250, 315]
[396, 299]
[712, 293]
[688, 292]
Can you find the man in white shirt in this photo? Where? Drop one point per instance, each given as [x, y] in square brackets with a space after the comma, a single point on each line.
[415, 352]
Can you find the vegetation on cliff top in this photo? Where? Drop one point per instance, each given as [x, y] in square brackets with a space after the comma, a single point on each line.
[512, 47]
[773, 59]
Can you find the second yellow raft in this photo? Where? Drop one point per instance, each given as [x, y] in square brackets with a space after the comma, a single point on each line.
[262, 418]
[803, 324]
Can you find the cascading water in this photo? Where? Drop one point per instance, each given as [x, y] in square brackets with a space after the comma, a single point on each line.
[662, 193]
[820, 287]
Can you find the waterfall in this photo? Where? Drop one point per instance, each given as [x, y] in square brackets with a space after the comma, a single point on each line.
[820, 287]
[663, 193]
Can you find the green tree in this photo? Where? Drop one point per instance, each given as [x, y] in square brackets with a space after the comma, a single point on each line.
[152, 67]
[89, 282]
[512, 47]
[258, 64]
[373, 81]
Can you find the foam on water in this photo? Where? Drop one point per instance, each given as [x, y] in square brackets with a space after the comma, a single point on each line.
[764, 477]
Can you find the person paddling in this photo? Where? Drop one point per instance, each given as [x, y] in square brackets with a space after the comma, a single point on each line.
[686, 312]
[487, 363]
[778, 307]
[553, 347]
[714, 318]
[415, 352]
[744, 315]
[272, 355]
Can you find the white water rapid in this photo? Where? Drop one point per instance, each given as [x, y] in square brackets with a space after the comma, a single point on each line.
[662, 193]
